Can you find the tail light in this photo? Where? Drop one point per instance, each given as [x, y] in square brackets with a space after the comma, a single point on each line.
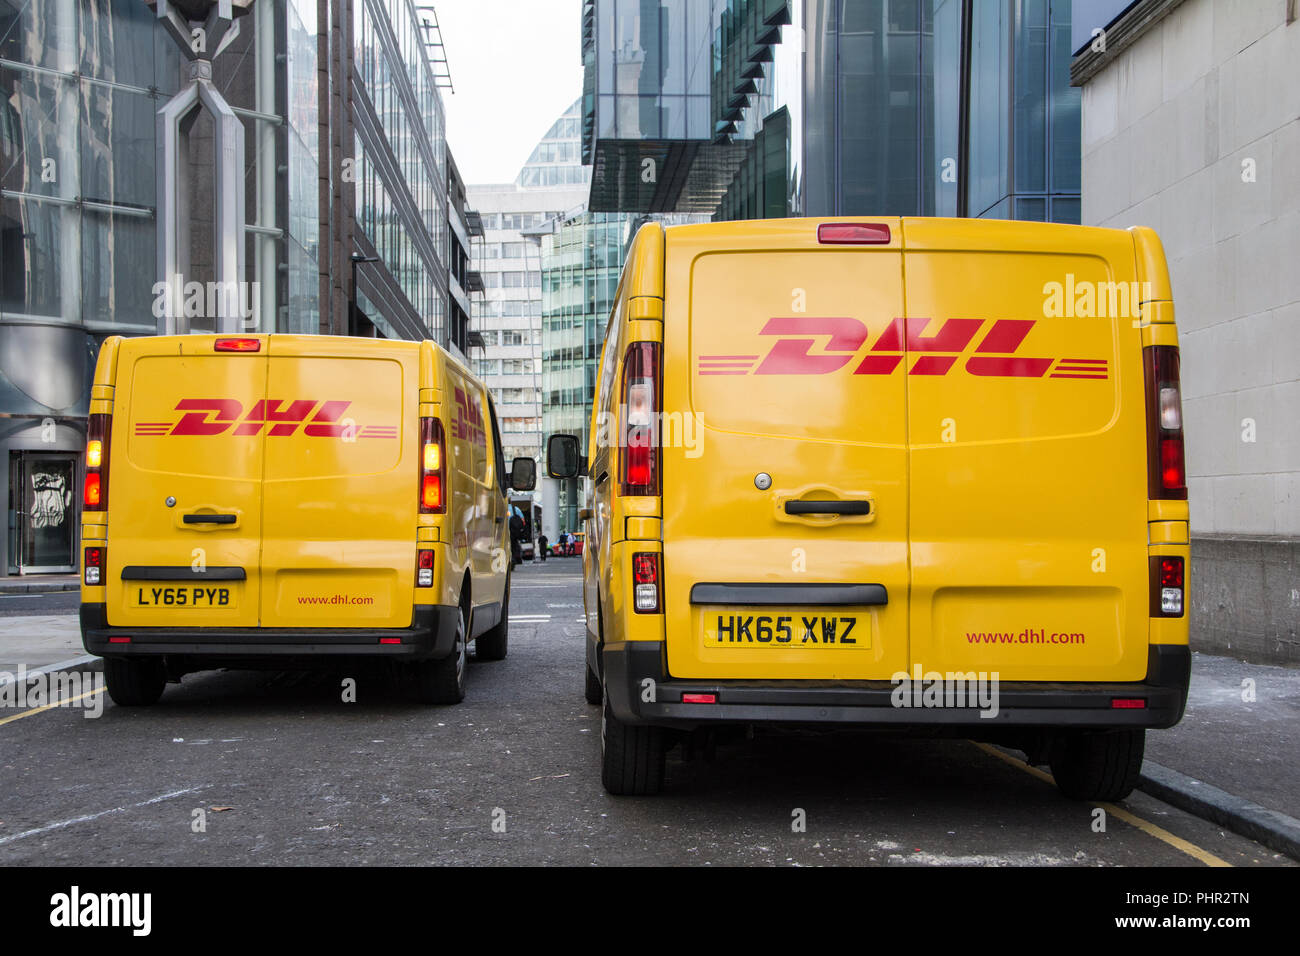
[95, 489]
[433, 468]
[93, 566]
[237, 345]
[645, 582]
[424, 570]
[1166, 471]
[641, 400]
[853, 233]
[1166, 586]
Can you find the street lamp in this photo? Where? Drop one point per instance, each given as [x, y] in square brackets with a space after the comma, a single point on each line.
[356, 259]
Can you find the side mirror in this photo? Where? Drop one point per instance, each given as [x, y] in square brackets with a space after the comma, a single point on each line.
[563, 460]
[523, 474]
[584, 514]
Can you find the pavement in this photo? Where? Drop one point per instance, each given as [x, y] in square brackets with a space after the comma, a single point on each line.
[38, 583]
[1230, 762]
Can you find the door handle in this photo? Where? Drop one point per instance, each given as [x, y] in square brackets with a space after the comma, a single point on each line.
[828, 507]
[500, 519]
[209, 519]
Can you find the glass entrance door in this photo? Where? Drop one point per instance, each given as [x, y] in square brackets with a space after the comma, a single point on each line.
[44, 489]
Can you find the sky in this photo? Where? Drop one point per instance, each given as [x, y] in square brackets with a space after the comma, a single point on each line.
[516, 66]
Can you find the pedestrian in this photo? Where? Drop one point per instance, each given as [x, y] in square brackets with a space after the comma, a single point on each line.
[541, 546]
[516, 532]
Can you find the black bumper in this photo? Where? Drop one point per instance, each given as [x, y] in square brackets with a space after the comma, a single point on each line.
[431, 636]
[628, 667]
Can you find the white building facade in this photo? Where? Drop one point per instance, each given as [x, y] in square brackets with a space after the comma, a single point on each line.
[1191, 125]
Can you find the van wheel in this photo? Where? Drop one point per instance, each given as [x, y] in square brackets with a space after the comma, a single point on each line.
[443, 682]
[593, 691]
[492, 645]
[134, 683]
[1100, 765]
[632, 756]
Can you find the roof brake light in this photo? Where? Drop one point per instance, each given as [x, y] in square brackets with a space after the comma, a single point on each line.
[853, 234]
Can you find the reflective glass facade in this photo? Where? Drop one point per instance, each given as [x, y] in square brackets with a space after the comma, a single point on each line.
[652, 69]
[81, 82]
[508, 258]
[401, 178]
[940, 107]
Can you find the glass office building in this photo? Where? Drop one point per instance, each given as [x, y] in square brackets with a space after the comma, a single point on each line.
[844, 107]
[581, 263]
[325, 176]
[507, 318]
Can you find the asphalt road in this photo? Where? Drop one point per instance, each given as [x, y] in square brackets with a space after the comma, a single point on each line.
[42, 602]
[512, 776]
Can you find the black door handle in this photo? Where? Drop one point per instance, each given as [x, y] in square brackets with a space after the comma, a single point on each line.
[209, 519]
[831, 507]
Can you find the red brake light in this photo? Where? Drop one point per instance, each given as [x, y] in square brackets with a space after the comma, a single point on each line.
[433, 459]
[94, 493]
[853, 233]
[641, 408]
[645, 568]
[1166, 469]
[1170, 572]
[431, 493]
[238, 345]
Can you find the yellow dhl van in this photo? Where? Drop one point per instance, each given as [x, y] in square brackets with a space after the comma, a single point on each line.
[853, 472]
[287, 500]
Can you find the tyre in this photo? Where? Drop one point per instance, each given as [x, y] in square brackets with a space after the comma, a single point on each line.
[593, 692]
[443, 682]
[134, 682]
[1098, 765]
[492, 645]
[632, 756]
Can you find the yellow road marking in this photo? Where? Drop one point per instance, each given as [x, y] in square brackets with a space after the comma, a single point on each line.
[57, 703]
[1146, 826]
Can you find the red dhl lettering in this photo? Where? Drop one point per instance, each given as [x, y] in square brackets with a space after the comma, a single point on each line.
[280, 418]
[995, 355]
[468, 423]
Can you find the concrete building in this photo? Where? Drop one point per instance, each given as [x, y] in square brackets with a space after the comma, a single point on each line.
[508, 316]
[1191, 125]
[350, 221]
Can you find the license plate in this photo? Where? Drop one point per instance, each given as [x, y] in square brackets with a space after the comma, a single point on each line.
[187, 595]
[801, 628]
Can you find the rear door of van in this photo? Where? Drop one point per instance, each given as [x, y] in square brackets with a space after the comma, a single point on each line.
[341, 476]
[785, 495]
[1027, 451]
[185, 485]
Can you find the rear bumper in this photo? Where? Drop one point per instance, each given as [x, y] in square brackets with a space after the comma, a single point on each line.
[635, 668]
[431, 636]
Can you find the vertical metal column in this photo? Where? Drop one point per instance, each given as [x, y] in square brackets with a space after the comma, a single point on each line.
[195, 34]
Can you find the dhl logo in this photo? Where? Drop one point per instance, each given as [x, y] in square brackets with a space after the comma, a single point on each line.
[936, 354]
[468, 423]
[216, 416]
